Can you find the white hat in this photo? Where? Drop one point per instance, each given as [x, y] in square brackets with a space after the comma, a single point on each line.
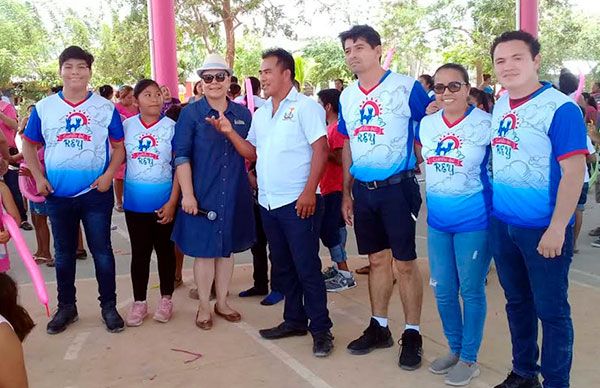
[214, 62]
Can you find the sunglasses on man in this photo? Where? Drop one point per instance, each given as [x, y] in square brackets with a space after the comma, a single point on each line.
[452, 86]
[208, 78]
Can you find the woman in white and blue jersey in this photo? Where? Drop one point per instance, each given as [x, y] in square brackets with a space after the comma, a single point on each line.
[150, 200]
[455, 146]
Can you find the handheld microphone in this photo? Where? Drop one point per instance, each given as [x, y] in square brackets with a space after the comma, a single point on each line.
[209, 214]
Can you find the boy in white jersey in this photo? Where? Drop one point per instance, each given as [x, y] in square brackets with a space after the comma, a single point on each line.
[538, 158]
[75, 127]
[378, 114]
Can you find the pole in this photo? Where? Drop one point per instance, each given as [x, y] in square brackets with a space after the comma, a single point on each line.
[527, 16]
[163, 43]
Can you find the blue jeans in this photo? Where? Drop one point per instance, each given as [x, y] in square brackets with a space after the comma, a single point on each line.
[333, 229]
[294, 246]
[535, 288]
[11, 178]
[94, 209]
[459, 263]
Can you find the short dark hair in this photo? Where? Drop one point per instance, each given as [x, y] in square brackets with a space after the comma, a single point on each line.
[284, 59]
[255, 85]
[10, 309]
[339, 79]
[173, 112]
[195, 89]
[482, 99]
[567, 82]
[234, 79]
[75, 52]
[366, 32]
[106, 91]
[428, 80]
[330, 96]
[235, 89]
[530, 40]
[142, 84]
[455, 66]
[487, 77]
[56, 89]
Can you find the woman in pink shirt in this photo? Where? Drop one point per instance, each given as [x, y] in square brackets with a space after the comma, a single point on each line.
[126, 109]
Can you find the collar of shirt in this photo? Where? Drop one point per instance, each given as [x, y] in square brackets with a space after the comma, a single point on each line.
[291, 96]
[205, 110]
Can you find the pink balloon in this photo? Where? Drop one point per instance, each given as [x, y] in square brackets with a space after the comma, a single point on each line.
[580, 87]
[388, 58]
[29, 188]
[34, 272]
[250, 95]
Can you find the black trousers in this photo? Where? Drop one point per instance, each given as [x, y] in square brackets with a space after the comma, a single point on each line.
[146, 235]
[260, 258]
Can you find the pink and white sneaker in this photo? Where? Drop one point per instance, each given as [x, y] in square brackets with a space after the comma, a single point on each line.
[164, 311]
[136, 314]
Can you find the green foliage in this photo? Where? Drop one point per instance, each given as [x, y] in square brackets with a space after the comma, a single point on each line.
[327, 62]
[248, 56]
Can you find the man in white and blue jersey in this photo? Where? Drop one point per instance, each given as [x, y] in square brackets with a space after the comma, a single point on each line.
[75, 127]
[538, 158]
[378, 114]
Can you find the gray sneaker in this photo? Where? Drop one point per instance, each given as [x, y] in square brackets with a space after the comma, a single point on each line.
[340, 283]
[442, 364]
[461, 374]
[329, 273]
[596, 243]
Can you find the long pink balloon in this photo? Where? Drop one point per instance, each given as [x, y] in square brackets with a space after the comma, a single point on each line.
[580, 87]
[388, 58]
[34, 272]
[29, 188]
[249, 96]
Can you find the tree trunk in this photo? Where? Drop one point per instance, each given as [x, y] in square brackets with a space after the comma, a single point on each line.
[228, 23]
[478, 72]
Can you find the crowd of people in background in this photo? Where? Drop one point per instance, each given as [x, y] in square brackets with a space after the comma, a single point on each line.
[208, 179]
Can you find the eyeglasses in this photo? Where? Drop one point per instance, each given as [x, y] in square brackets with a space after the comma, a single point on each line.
[452, 86]
[208, 78]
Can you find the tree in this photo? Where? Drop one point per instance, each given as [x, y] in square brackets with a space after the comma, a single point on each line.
[248, 56]
[203, 21]
[327, 62]
[23, 46]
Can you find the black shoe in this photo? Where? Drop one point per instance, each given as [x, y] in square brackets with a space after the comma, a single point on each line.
[254, 292]
[64, 316]
[26, 226]
[281, 331]
[374, 337]
[111, 318]
[515, 381]
[81, 254]
[411, 350]
[322, 344]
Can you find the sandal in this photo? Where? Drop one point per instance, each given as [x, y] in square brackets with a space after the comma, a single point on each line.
[50, 263]
[119, 208]
[363, 270]
[40, 259]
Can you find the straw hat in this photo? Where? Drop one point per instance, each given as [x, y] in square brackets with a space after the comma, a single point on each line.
[214, 62]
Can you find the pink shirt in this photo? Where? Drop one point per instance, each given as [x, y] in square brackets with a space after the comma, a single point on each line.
[11, 112]
[126, 112]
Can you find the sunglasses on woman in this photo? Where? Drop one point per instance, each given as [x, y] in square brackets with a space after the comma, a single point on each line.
[208, 78]
[452, 86]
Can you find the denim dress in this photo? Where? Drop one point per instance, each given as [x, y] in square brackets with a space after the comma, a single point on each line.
[220, 183]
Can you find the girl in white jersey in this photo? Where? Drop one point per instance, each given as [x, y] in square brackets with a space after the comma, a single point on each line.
[455, 145]
[150, 200]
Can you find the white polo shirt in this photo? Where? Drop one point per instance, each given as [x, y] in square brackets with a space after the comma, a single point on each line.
[283, 147]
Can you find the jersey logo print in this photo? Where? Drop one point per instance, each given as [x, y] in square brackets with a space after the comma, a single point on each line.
[370, 123]
[507, 140]
[447, 154]
[73, 122]
[144, 155]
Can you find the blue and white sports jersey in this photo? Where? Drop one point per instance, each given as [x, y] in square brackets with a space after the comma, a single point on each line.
[75, 139]
[149, 174]
[381, 125]
[529, 138]
[457, 155]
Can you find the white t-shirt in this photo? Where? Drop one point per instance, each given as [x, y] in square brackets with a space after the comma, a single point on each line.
[283, 147]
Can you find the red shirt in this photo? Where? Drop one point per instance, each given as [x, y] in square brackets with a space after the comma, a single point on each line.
[332, 179]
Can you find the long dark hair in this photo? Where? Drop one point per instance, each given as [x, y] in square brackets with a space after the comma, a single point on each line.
[9, 308]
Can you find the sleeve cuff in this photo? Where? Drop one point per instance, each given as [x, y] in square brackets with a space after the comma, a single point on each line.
[572, 153]
[30, 140]
[181, 160]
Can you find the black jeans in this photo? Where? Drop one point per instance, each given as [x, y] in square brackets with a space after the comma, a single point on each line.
[260, 258]
[11, 178]
[146, 234]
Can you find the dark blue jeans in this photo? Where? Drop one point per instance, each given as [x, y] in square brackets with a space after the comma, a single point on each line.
[294, 245]
[535, 288]
[94, 210]
[11, 178]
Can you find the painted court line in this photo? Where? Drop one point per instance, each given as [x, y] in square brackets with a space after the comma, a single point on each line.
[284, 357]
[73, 349]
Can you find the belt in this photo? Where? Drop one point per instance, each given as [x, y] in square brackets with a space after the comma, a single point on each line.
[393, 180]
